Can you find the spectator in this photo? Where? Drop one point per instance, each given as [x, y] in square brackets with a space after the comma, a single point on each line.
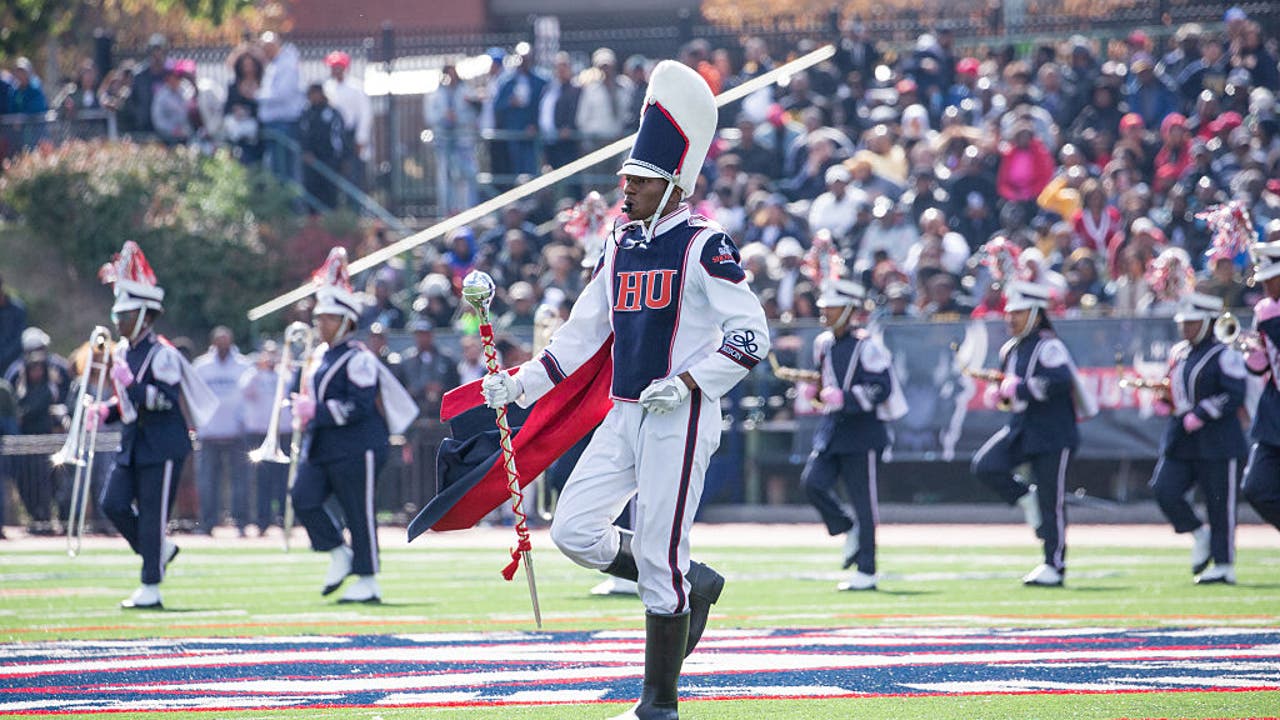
[1025, 167]
[82, 92]
[35, 343]
[169, 113]
[557, 117]
[790, 276]
[605, 101]
[257, 387]
[890, 234]
[941, 303]
[471, 366]
[771, 222]
[1129, 291]
[321, 134]
[516, 113]
[240, 123]
[523, 308]
[1147, 94]
[27, 98]
[836, 209]
[435, 300]
[280, 104]
[976, 223]
[427, 371]
[514, 217]
[353, 104]
[135, 116]
[383, 311]
[13, 321]
[499, 163]
[1097, 223]
[1225, 282]
[39, 393]
[451, 116]
[222, 454]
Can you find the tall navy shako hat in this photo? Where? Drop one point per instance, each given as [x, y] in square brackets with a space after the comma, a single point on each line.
[676, 127]
[1266, 260]
[1025, 295]
[839, 293]
[335, 295]
[1198, 306]
[132, 280]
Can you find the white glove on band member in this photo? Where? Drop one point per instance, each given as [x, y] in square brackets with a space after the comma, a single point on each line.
[663, 396]
[500, 389]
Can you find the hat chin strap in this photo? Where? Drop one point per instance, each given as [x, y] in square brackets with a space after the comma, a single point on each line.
[1204, 330]
[1033, 316]
[137, 325]
[649, 227]
[842, 322]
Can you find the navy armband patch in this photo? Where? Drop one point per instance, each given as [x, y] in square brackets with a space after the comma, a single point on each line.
[552, 366]
[720, 259]
[740, 346]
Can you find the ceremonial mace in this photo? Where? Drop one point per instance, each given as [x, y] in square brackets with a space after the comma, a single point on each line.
[478, 290]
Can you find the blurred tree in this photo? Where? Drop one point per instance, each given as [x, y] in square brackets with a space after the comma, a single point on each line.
[27, 26]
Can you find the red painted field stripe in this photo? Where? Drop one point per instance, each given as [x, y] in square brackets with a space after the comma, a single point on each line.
[714, 698]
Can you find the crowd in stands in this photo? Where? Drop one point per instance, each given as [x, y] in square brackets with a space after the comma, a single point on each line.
[1092, 158]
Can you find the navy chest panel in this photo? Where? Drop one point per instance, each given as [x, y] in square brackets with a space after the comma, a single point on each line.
[647, 285]
[842, 351]
[137, 354]
[1189, 364]
[336, 388]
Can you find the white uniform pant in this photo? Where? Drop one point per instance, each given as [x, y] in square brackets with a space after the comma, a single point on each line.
[662, 460]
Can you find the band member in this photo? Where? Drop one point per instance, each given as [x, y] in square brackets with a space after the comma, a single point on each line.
[149, 377]
[857, 386]
[1262, 474]
[686, 329]
[1045, 397]
[1203, 442]
[343, 392]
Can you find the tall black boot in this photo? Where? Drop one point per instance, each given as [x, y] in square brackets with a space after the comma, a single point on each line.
[705, 586]
[664, 638]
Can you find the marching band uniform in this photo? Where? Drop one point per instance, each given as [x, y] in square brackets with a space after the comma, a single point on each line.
[346, 439]
[1203, 440]
[149, 377]
[858, 387]
[670, 291]
[1045, 397]
[1262, 473]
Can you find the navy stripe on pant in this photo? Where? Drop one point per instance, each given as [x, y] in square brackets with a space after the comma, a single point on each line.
[1262, 482]
[858, 471]
[351, 482]
[138, 501]
[1172, 482]
[993, 466]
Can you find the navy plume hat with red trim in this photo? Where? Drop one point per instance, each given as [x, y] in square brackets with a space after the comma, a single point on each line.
[676, 127]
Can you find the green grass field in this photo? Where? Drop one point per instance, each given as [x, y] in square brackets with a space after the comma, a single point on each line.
[229, 588]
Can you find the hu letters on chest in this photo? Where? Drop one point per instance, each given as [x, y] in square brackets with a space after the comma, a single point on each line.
[643, 290]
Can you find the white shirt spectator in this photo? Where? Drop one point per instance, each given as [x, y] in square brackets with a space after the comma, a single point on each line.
[281, 98]
[222, 375]
[258, 394]
[357, 112]
[602, 107]
[169, 114]
[836, 214]
[896, 240]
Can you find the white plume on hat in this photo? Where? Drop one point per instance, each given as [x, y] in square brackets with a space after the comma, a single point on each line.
[335, 295]
[133, 281]
[839, 293]
[1024, 295]
[676, 127]
[1198, 306]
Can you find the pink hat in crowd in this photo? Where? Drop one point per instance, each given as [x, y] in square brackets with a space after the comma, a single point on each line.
[1132, 120]
[968, 66]
[1171, 121]
[337, 58]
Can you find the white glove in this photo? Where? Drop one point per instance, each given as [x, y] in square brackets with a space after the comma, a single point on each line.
[663, 396]
[500, 389]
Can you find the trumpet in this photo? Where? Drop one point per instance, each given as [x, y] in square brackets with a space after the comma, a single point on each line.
[299, 338]
[1227, 330]
[1137, 383]
[992, 376]
[80, 447]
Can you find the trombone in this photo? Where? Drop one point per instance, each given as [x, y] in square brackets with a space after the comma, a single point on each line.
[80, 447]
[1228, 331]
[796, 375]
[298, 335]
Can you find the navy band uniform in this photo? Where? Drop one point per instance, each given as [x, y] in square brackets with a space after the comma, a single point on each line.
[1262, 473]
[1206, 380]
[1041, 429]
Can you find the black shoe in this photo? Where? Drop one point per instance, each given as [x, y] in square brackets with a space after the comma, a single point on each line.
[705, 586]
